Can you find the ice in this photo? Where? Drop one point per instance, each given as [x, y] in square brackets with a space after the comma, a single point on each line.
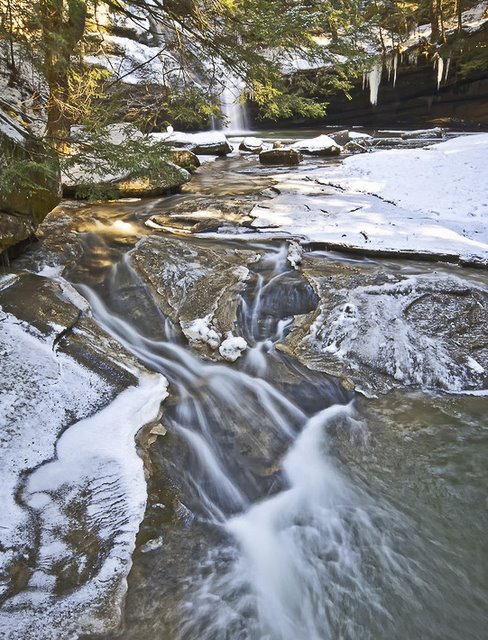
[201, 330]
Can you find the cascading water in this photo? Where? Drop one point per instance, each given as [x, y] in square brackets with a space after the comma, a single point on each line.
[292, 550]
[232, 106]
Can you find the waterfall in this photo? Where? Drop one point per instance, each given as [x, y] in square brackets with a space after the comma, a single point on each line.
[230, 102]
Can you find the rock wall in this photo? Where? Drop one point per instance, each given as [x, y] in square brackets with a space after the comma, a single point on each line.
[30, 185]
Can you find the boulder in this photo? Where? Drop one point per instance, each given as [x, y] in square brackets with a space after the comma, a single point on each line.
[320, 146]
[252, 145]
[171, 178]
[185, 159]
[284, 157]
[212, 143]
[27, 196]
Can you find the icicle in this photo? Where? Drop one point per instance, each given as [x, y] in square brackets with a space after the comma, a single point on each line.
[374, 79]
[395, 68]
[389, 66]
[440, 71]
[364, 80]
[448, 65]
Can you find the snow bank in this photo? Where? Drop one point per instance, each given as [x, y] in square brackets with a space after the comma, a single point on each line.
[444, 180]
[430, 201]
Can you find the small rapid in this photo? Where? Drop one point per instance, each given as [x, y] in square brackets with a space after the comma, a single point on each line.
[296, 546]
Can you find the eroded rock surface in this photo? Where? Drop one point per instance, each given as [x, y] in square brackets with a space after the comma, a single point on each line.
[379, 329]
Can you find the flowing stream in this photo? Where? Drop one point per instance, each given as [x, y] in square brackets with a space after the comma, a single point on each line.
[281, 505]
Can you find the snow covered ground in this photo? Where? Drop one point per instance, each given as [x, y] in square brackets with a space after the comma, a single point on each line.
[431, 201]
[72, 485]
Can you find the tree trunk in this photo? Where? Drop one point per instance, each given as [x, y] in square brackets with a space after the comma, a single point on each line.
[434, 20]
[62, 28]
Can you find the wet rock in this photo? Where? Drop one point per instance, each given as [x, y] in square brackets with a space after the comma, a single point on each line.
[185, 159]
[320, 146]
[196, 285]
[278, 156]
[382, 330]
[252, 145]
[21, 208]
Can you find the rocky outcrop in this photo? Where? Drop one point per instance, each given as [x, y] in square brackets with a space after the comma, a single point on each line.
[198, 287]
[284, 157]
[30, 183]
[79, 184]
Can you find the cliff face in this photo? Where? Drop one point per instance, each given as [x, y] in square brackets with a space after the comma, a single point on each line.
[419, 83]
[415, 99]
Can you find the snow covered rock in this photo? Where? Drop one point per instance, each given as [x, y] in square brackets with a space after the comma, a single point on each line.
[284, 156]
[384, 329]
[252, 145]
[211, 143]
[205, 143]
[320, 146]
[71, 404]
[232, 348]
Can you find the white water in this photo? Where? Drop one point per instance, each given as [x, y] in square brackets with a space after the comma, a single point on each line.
[232, 106]
[311, 561]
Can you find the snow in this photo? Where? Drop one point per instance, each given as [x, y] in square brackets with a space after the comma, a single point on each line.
[232, 348]
[89, 480]
[201, 330]
[295, 254]
[316, 144]
[427, 201]
[136, 63]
